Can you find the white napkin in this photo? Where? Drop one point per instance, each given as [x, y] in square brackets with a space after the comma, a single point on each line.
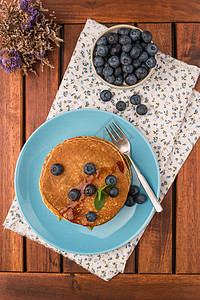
[171, 126]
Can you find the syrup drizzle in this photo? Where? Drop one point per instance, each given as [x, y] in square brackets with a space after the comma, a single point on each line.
[73, 213]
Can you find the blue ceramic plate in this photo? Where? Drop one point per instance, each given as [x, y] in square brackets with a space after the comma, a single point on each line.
[66, 236]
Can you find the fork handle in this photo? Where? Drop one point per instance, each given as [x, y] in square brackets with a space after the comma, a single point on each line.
[147, 188]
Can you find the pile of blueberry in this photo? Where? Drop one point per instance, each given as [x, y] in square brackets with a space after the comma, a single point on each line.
[125, 56]
[135, 99]
[134, 196]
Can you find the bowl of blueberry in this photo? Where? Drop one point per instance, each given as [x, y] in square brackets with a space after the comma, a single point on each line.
[124, 56]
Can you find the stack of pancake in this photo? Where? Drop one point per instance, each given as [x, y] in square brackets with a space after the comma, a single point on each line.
[73, 154]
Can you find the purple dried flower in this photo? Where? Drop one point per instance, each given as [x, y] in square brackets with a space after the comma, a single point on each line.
[10, 61]
[31, 20]
[42, 54]
[26, 6]
[25, 23]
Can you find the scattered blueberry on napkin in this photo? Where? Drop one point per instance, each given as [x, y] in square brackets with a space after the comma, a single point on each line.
[172, 126]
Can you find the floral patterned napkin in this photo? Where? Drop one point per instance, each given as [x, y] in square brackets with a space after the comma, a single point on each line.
[171, 126]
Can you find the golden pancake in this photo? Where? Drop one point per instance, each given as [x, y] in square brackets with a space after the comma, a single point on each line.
[73, 154]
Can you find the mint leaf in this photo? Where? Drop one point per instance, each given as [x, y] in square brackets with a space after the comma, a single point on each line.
[100, 196]
[105, 187]
[90, 227]
[104, 194]
[99, 204]
[96, 199]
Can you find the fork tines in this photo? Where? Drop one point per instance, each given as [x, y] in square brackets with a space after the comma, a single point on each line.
[119, 135]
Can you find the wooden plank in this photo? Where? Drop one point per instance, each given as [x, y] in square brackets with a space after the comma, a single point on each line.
[71, 34]
[40, 93]
[87, 286]
[130, 265]
[120, 11]
[188, 198]
[11, 104]
[155, 247]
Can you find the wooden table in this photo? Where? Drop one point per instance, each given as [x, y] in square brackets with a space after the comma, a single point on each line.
[166, 263]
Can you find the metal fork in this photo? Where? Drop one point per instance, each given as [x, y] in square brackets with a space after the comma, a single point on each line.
[123, 144]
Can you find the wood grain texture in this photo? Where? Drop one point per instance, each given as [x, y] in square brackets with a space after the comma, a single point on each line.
[11, 102]
[87, 286]
[119, 11]
[71, 34]
[155, 246]
[188, 180]
[130, 264]
[40, 93]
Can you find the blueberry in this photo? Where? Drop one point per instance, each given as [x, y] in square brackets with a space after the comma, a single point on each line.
[118, 80]
[143, 56]
[127, 69]
[106, 64]
[135, 52]
[141, 109]
[105, 95]
[107, 71]
[135, 99]
[141, 73]
[125, 59]
[124, 75]
[152, 49]
[115, 49]
[56, 169]
[112, 38]
[121, 105]
[114, 61]
[89, 169]
[140, 47]
[145, 66]
[131, 79]
[135, 34]
[74, 194]
[98, 61]
[118, 71]
[144, 45]
[123, 31]
[129, 201]
[136, 63]
[111, 179]
[89, 190]
[95, 52]
[134, 190]
[99, 71]
[110, 79]
[126, 47]
[124, 39]
[146, 36]
[102, 41]
[91, 216]
[140, 198]
[151, 62]
[102, 50]
[113, 192]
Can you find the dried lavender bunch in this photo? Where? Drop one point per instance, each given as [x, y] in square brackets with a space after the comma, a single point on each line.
[27, 34]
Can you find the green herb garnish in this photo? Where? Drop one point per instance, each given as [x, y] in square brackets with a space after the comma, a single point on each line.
[100, 196]
[59, 219]
[90, 227]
